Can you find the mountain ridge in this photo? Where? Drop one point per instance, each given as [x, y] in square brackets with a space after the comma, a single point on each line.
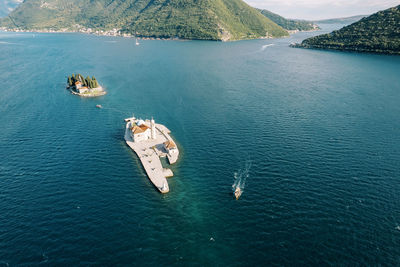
[289, 24]
[343, 20]
[188, 19]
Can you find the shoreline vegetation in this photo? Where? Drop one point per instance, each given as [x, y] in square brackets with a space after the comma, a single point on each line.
[86, 87]
[113, 32]
[117, 33]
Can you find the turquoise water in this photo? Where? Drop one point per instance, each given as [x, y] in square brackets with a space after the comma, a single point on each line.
[314, 133]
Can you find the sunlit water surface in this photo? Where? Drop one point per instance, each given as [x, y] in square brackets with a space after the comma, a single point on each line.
[315, 133]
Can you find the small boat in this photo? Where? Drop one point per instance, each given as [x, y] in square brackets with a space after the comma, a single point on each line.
[137, 42]
[99, 106]
[238, 192]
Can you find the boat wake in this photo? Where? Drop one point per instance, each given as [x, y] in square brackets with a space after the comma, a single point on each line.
[45, 258]
[240, 178]
[265, 46]
[111, 109]
[7, 43]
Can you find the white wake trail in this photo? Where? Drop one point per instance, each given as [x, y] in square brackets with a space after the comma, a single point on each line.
[240, 177]
[265, 46]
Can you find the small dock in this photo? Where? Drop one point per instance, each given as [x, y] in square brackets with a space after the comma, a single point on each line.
[155, 142]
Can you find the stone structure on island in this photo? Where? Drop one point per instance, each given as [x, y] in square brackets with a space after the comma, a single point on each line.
[88, 87]
[150, 141]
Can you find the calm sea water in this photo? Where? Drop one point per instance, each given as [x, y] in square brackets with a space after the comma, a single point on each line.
[316, 135]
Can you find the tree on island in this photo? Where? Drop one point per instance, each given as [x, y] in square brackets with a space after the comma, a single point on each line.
[88, 82]
[80, 78]
[95, 84]
[69, 81]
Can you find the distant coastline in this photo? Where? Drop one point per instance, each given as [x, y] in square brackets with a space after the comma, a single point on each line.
[344, 49]
[117, 33]
[113, 32]
[297, 31]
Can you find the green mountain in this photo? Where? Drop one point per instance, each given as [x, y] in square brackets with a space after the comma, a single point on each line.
[289, 24]
[378, 33]
[346, 20]
[188, 19]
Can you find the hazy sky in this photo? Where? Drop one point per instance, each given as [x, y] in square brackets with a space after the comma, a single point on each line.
[321, 9]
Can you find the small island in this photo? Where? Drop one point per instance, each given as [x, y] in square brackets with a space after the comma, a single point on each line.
[87, 87]
[150, 141]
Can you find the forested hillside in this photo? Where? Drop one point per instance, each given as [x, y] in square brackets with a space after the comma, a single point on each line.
[189, 19]
[378, 33]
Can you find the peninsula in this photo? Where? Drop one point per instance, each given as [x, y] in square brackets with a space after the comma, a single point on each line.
[150, 141]
[87, 87]
[378, 33]
[292, 26]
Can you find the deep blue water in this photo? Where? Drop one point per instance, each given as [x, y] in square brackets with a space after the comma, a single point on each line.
[319, 132]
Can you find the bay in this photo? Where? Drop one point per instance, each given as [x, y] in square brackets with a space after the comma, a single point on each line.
[315, 133]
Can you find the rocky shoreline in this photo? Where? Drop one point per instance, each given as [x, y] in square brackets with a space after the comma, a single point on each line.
[118, 33]
[95, 94]
[344, 49]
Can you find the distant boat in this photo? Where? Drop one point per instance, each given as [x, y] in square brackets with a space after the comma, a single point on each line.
[99, 106]
[238, 192]
[137, 42]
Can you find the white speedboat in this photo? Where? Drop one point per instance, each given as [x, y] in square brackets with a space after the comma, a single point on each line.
[238, 192]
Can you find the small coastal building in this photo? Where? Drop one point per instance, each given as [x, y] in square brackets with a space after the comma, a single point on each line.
[170, 147]
[140, 131]
[83, 90]
[79, 88]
